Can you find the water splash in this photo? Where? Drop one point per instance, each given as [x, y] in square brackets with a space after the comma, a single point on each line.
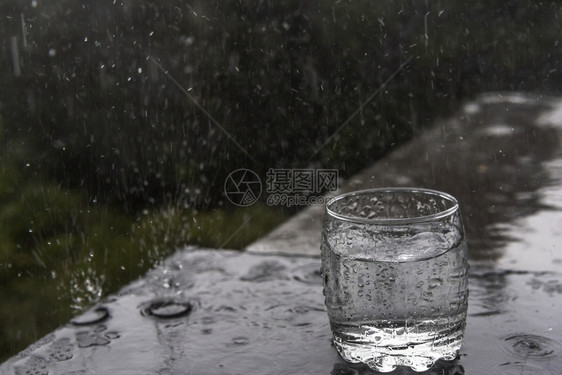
[94, 316]
[166, 309]
[529, 346]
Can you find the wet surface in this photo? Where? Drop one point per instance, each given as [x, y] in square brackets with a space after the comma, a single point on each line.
[225, 312]
[166, 309]
[238, 313]
[92, 316]
[500, 156]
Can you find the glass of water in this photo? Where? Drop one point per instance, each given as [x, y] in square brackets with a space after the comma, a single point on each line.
[395, 269]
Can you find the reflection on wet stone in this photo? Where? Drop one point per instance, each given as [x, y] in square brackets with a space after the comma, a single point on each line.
[492, 157]
[33, 366]
[440, 368]
[347, 369]
[265, 271]
[551, 286]
[87, 339]
[95, 337]
[505, 171]
[518, 368]
[61, 350]
[489, 288]
[308, 274]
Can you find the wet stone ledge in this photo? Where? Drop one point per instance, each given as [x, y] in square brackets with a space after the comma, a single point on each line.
[226, 312]
[500, 155]
[262, 312]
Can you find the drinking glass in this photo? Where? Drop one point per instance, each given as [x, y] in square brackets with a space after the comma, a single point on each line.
[395, 269]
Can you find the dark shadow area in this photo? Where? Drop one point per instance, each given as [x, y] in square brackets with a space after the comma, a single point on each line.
[440, 368]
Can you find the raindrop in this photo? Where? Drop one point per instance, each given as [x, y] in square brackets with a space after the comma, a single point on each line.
[52, 52]
[241, 340]
[531, 346]
[61, 350]
[167, 309]
[33, 366]
[88, 339]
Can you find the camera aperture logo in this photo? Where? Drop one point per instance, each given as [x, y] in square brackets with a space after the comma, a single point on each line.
[285, 187]
[242, 187]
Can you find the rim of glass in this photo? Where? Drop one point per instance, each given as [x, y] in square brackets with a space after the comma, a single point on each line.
[394, 221]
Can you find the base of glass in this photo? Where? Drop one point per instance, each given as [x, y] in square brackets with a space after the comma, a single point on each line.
[418, 352]
[387, 361]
